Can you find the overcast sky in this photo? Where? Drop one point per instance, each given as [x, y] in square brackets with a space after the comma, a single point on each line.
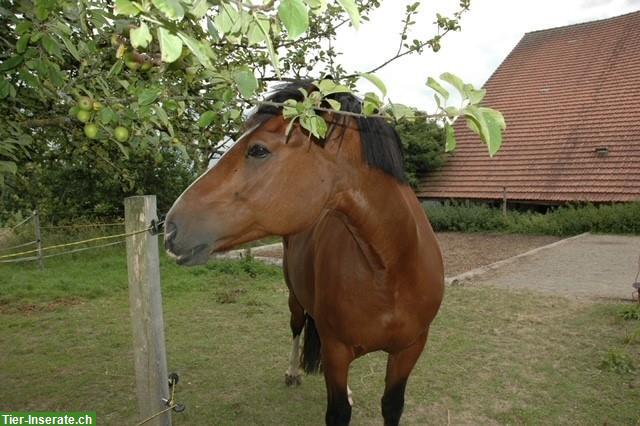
[490, 30]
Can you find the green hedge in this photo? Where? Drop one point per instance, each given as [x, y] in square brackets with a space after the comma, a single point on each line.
[568, 220]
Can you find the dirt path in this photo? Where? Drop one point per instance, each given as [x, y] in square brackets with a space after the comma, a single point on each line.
[591, 266]
[461, 252]
[464, 252]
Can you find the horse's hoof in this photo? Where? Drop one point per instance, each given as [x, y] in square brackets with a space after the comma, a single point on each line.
[291, 380]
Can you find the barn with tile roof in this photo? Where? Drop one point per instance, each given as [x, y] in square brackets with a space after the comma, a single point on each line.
[571, 99]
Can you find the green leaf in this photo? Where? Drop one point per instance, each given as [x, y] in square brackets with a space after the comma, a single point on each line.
[206, 119]
[477, 123]
[234, 113]
[170, 8]
[55, 75]
[123, 149]
[371, 103]
[116, 68]
[22, 43]
[23, 26]
[376, 81]
[11, 63]
[42, 10]
[450, 138]
[432, 83]
[170, 45]
[495, 125]
[164, 118]
[352, 9]
[400, 111]
[71, 48]
[334, 104]
[294, 16]
[454, 81]
[452, 111]
[328, 87]
[140, 37]
[107, 115]
[226, 18]
[51, 46]
[474, 96]
[213, 30]
[317, 7]
[197, 49]
[255, 33]
[314, 124]
[247, 83]
[198, 8]
[125, 7]
[148, 96]
[273, 55]
[5, 88]
[8, 167]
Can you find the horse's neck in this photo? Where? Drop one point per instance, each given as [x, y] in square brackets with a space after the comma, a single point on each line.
[381, 215]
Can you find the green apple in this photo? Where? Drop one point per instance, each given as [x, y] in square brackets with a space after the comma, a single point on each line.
[73, 111]
[85, 103]
[97, 106]
[145, 67]
[91, 130]
[131, 63]
[83, 115]
[121, 134]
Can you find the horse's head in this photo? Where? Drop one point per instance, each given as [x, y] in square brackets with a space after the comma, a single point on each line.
[268, 183]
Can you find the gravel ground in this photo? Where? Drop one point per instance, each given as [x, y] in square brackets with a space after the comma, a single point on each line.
[587, 267]
[463, 252]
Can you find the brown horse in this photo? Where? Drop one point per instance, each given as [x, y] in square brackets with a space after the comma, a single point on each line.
[361, 261]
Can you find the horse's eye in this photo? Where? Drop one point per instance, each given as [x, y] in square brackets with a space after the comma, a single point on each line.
[258, 151]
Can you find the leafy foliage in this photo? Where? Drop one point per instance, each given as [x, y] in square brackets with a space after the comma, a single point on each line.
[630, 312]
[568, 220]
[618, 361]
[66, 186]
[112, 83]
[423, 147]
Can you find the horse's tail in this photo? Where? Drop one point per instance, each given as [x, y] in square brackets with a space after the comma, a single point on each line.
[310, 358]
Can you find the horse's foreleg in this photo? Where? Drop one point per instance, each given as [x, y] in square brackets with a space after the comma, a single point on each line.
[292, 375]
[399, 366]
[336, 359]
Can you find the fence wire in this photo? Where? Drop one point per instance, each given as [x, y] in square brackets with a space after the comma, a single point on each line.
[75, 243]
[18, 246]
[87, 225]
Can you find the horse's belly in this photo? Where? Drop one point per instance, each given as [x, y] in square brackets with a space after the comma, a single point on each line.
[365, 307]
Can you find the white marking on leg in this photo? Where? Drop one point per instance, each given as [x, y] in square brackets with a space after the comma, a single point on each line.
[349, 395]
[294, 360]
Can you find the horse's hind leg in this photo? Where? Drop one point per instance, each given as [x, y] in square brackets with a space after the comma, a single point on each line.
[399, 366]
[292, 375]
[336, 359]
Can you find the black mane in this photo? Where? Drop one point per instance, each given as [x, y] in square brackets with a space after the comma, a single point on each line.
[380, 142]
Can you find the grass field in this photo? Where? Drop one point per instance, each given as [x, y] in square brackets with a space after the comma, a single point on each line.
[494, 356]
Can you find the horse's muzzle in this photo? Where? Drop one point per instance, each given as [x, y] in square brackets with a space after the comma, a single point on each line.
[196, 255]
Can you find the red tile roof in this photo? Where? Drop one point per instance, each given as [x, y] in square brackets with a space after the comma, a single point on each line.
[564, 92]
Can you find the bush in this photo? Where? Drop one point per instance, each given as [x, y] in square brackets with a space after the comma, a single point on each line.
[566, 220]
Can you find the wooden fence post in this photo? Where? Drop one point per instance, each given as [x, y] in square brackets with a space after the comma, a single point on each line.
[504, 201]
[145, 301]
[36, 229]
